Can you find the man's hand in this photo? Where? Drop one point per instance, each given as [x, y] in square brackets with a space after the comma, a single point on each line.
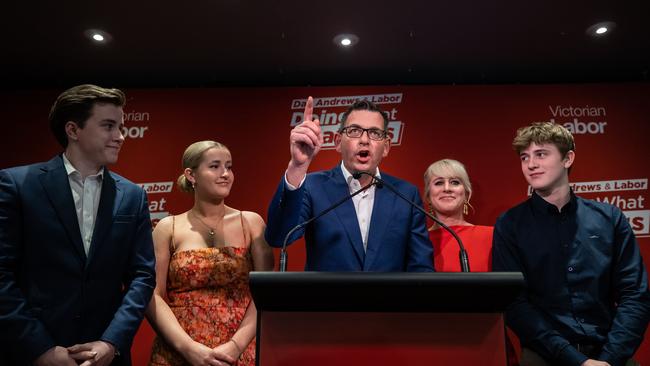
[305, 142]
[98, 353]
[591, 362]
[55, 356]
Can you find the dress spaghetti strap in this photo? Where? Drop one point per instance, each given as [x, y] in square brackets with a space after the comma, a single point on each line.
[173, 243]
[244, 227]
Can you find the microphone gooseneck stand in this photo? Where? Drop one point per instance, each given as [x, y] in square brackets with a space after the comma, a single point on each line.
[283, 251]
[462, 253]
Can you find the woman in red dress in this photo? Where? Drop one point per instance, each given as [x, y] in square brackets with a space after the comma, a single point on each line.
[448, 191]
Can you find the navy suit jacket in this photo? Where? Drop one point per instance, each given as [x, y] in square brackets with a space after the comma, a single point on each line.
[51, 293]
[397, 239]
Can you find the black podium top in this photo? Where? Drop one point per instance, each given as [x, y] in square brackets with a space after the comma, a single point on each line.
[385, 292]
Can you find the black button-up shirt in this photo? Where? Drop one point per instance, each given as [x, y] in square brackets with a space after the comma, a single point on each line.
[585, 279]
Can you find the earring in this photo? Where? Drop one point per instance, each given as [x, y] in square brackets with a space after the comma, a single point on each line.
[465, 209]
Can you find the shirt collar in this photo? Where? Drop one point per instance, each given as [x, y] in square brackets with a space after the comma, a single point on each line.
[348, 176]
[71, 170]
[541, 205]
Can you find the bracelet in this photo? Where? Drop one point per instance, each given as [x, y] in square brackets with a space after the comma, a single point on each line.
[239, 349]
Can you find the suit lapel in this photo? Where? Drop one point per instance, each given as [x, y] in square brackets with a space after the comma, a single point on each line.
[108, 203]
[346, 212]
[379, 222]
[56, 185]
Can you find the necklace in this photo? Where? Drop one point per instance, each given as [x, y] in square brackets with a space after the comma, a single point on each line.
[210, 229]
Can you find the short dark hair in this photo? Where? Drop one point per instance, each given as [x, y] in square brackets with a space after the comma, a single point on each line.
[76, 104]
[363, 105]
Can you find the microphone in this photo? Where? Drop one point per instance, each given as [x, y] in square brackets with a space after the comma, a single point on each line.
[462, 254]
[283, 251]
[378, 182]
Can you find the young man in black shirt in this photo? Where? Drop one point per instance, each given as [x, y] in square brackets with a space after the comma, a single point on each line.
[586, 300]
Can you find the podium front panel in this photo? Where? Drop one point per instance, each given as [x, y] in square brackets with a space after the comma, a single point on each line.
[359, 318]
[375, 338]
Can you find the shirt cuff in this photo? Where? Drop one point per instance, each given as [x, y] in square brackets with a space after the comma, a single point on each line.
[570, 356]
[290, 186]
[611, 359]
[117, 352]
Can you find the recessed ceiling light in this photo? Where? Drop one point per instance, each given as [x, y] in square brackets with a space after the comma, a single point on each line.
[98, 36]
[600, 29]
[346, 40]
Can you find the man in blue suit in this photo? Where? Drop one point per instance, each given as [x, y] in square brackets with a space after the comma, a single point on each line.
[76, 255]
[375, 230]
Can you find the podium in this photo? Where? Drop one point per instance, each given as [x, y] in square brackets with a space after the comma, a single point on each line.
[362, 318]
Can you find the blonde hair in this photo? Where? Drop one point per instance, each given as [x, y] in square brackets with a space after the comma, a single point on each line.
[447, 168]
[544, 133]
[192, 159]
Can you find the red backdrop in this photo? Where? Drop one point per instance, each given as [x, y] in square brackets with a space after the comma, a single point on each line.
[473, 124]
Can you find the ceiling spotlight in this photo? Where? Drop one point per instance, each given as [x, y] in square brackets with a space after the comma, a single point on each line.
[346, 40]
[98, 36]
[600, 29]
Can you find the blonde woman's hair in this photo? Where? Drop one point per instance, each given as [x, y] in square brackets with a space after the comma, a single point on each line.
[447, 168]
[192, 158]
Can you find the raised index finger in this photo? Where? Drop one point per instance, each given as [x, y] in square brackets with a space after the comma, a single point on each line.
[309, 109]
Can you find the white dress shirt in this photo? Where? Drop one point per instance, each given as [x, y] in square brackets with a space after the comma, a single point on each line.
[86, 194]
[363, 202]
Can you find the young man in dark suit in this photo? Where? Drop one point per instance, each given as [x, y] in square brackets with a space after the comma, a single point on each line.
[76, 255]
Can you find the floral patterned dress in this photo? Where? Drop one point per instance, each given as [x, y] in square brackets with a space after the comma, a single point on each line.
[208, 293]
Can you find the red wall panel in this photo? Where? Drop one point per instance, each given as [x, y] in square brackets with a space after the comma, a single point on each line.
[474, 124]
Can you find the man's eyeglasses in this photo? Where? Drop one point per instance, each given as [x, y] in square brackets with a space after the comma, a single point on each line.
[356, 132]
